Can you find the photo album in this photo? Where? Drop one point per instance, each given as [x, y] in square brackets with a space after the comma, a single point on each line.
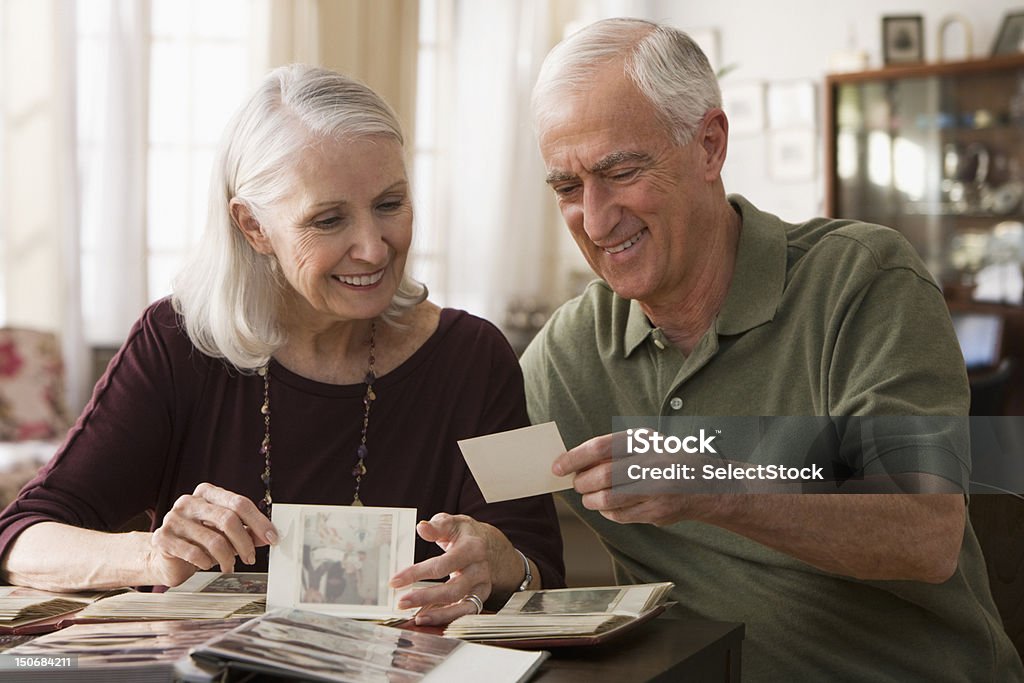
[565, 616]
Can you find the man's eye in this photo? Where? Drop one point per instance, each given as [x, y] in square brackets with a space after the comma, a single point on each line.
[390, 207]
[565, 190]
[625, 175]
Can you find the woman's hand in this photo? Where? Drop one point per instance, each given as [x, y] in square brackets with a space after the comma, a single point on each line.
[478, 560]
[211, 526]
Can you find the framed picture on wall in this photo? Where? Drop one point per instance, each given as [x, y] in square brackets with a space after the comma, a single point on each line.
[1011, 35]
[744, 105]
[793, 104]
[903, 39]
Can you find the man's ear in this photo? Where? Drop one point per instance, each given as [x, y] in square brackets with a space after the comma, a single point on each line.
[714, 138]
[250, 228]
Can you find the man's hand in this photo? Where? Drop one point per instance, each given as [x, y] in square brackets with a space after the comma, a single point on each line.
[592, 462]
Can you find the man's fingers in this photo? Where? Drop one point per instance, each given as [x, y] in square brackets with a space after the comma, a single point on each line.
[586, 455]
[594, 479]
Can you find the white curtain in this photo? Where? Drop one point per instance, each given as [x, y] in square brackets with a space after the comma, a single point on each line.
[493, 192]
[113, 118]
[38, 195]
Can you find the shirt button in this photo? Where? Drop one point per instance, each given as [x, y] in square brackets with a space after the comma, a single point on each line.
[676, 403]
[660, 344]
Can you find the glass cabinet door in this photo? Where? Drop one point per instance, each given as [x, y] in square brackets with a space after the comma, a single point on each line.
[936, 152]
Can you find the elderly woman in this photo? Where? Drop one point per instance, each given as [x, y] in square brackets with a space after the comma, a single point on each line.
[296, 362]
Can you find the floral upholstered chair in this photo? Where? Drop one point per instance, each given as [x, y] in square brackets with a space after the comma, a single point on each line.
[31, 386]
[33, 418]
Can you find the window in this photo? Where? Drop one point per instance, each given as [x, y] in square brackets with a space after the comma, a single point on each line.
[199, 74]
[198, 56]
[427, 262]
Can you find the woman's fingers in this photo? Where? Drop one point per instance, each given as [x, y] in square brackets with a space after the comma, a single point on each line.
[442, 616]
[195, 543]
[211, 527]
[463, 543]
[474, 578]
[243, 508]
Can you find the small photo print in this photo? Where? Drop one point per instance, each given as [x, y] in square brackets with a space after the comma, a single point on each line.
[238, 583]
[338, 559]
[342, 557]
[597, 601]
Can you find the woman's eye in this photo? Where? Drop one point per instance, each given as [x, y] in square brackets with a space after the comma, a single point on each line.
[327, 223]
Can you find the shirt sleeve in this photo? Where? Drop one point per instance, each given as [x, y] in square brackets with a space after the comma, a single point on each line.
[109, 468]
[531, 524]
[897, 368]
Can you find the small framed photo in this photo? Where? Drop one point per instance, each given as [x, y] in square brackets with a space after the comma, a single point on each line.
[903, 39]
[338, 559]
[743, 103]
[1011, 35]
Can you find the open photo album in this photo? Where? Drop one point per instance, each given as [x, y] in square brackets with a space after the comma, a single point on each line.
[564, 616]
[321, 647]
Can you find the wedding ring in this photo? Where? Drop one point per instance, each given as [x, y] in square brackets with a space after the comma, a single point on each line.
[477, 602]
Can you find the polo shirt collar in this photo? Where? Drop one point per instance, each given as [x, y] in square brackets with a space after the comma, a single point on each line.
[638, 328]
[757, 281]
[760, 273]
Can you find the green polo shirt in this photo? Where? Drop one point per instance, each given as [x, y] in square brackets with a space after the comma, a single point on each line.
[827, 318]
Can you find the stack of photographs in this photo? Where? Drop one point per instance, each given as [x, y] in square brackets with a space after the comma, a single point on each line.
[566, 616]
[319, 647]
[138, 652]
[26, 610]
[159, 606]
[224, 583]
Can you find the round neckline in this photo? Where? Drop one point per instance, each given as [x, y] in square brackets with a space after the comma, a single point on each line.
[448, 318]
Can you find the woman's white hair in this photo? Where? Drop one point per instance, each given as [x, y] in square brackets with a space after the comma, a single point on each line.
[665, 64]
[229, 294]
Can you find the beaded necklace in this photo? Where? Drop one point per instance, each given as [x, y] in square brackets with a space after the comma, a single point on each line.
[361, 450]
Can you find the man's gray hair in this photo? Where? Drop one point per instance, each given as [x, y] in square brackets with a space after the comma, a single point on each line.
[229, 294]
[664, 63]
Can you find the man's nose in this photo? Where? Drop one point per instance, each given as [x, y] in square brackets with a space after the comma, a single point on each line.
[600, 212]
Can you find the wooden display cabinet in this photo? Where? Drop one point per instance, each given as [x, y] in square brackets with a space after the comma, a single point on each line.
[937, 152]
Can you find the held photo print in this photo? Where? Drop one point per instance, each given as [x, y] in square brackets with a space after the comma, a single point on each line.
[339, 559]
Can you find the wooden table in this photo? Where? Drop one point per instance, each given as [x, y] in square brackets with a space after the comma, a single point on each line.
[662, 650]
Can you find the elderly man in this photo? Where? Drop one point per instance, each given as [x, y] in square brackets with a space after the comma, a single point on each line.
[708, 306]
